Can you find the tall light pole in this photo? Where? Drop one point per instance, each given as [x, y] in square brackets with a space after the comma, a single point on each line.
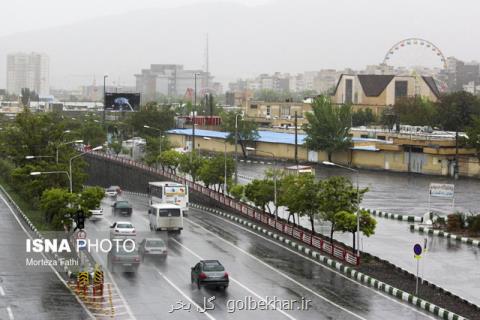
[37, 173]
[194, 110]
[65, 143]
[328, 163]
[274, 176]
[225, 163]
[77, 156]
[236, 142]
[104, 97]
[160, 138]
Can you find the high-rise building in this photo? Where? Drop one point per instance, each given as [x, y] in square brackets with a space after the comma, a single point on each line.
[28, 70]
[169, 80]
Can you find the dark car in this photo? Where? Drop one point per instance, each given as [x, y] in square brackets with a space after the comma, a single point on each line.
[126, 258]
[209, 273]
[122, 207]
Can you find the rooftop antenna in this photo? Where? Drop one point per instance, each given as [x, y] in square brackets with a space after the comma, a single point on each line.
[206, 64]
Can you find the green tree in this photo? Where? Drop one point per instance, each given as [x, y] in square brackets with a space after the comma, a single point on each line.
[55, 204]
[337, 194]
[363, 117]
[328, 127]
[89, 198]
[261, 193]
[212, 171]
[456, 112]
[415, 111]
[116, 146]
[347, 222]
[301, 196]
[190, 163]
[247, 130]
[170, 159]
[473, 134]
[237, 191]
[153, 115]
[153, 148]
[92, 132]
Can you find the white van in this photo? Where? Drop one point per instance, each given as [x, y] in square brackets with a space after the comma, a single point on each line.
[165, 216]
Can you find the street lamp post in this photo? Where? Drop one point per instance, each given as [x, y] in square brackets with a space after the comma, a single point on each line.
[64, 144]
[194, 109]
[104, 97]
[328, 163]
[274, 176]
[225, 163]
[236, 142]
[77, 156]
[161, 136]
[37, 173]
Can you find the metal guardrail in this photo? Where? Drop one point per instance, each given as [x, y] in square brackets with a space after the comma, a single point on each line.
[307, 237]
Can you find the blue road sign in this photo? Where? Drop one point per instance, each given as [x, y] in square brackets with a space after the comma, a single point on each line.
[417, 249]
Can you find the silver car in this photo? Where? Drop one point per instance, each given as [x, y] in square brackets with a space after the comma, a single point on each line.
[153, 247]
[126, 258]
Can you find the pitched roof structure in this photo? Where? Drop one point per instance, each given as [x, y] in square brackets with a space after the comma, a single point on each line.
[374, 84]
[432, 85]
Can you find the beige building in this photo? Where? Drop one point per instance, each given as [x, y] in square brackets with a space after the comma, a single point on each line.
[421, 153]
[379, 91]
[274, 114]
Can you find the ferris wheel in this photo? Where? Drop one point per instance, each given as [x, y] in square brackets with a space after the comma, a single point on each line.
[415, 42]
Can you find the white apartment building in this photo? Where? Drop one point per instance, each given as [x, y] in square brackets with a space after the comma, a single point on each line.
[28, 70]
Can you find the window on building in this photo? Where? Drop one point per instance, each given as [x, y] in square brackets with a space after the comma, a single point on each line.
[348, 91]
[285, 111]
[401, 89]
[253, 106]
[269, 110]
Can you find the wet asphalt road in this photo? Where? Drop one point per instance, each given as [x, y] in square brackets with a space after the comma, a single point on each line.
[447, 263]
[395, 192]
[258, 268]
[29, 292]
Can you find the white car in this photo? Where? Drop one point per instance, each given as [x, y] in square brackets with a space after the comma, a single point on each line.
[97, 214]
[122, 229]
[112, 191]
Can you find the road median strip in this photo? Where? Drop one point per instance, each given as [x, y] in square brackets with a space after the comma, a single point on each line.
[444, 234]
[346, 270]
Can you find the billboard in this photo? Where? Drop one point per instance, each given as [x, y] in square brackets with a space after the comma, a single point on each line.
[122, 101]
[442, 190]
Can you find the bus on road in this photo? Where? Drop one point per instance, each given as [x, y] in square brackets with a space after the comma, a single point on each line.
[168, 192]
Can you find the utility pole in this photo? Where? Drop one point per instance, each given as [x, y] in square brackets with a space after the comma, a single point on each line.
[104, 98]
[296, 141]
[194, 110]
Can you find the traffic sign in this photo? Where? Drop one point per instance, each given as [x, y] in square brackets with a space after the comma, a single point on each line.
[81, 234]
[417, 249]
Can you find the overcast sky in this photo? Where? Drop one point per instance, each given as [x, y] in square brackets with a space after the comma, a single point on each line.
[88, 38]
[25, 15]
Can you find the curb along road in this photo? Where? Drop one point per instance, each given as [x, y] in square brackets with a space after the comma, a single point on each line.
[445, 235]
[348, 271]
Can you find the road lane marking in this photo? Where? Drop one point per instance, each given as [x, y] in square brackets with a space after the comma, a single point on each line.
[185, 295]
[10, 313]
[309, 259]
[127, 307]
[53, 269]
[279, 272]
[2, 293]
[236, 281]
